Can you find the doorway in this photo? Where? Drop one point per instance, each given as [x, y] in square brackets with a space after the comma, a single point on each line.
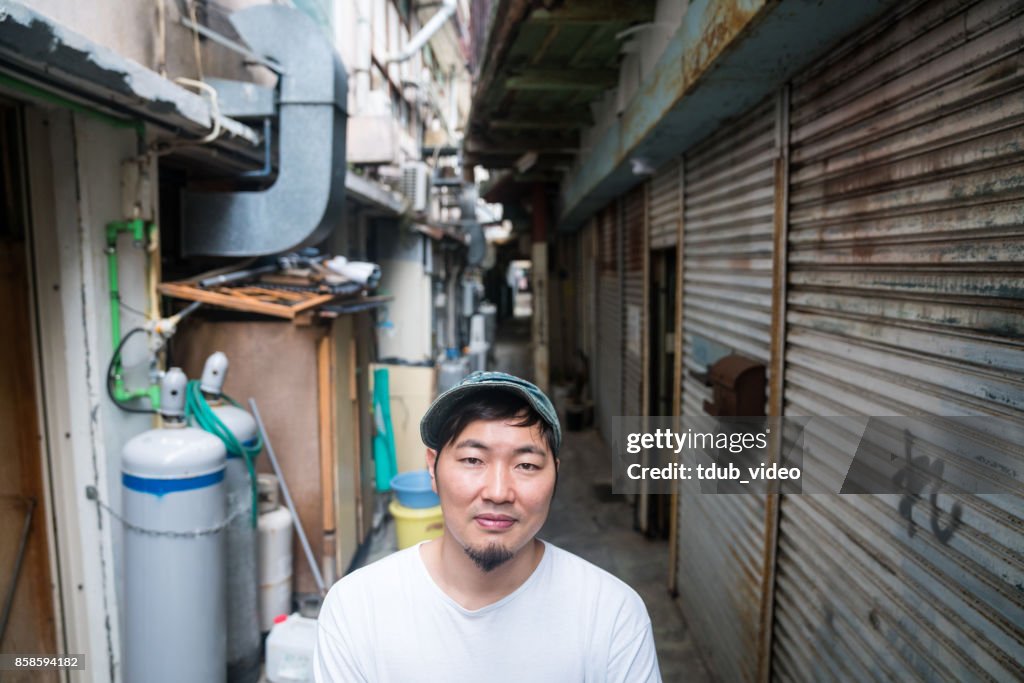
[27, 621]
[660, 383]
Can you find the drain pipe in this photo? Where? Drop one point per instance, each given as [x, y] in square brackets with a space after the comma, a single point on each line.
[364, 40]
[429, 29]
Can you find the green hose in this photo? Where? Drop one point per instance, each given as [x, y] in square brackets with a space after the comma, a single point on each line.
[199, 412]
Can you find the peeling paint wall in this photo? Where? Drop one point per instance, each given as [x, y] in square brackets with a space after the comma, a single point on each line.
[642, 47]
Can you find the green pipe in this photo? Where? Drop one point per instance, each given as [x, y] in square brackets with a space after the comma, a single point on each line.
[140, 231]
[77, 107]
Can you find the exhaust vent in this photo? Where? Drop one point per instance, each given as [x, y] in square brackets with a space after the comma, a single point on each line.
[306, 200]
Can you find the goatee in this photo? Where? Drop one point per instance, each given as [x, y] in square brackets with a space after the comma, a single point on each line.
[491, 557]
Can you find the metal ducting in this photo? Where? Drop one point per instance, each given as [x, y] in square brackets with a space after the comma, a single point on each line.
[306, 200]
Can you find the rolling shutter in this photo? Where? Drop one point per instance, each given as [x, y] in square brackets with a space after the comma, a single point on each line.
[665, 205]
[906, 297]
[634, 318]
[729, 209]
[609, 321]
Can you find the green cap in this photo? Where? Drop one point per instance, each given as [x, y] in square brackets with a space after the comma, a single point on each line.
[439, 411]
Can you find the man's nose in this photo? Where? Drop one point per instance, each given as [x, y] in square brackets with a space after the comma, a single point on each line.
[498, 485]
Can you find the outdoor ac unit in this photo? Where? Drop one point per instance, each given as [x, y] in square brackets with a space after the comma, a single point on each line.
[416, 184]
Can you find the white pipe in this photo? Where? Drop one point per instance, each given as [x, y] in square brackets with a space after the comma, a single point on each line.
[429, 29]
[363, 48]
[453, 105]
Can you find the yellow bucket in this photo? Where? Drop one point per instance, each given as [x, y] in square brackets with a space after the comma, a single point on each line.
[415, 525]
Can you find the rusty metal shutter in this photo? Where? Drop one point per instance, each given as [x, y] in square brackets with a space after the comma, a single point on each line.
[729, 209]
[609, 320]
[664, 205]
[633, 317]
[587, 309]
[906, 296]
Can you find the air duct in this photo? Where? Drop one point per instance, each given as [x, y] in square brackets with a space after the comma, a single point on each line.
[307, 198]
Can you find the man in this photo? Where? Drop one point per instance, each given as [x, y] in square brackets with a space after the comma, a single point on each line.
[487, 601]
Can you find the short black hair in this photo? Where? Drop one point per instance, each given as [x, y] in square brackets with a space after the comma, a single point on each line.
[494, 404]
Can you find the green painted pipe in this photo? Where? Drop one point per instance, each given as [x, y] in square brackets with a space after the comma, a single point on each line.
[140, 231]
[77, 107]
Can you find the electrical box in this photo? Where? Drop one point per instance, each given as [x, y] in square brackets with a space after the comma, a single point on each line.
[738, 387]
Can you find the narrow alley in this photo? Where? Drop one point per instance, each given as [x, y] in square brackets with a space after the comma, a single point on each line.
[751, 270]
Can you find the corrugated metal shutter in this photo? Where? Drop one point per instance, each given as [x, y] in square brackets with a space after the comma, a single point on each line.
[664, 205]
[633, 302]
[587, 272]
[609, 321]
[729, 210]
[906, 296]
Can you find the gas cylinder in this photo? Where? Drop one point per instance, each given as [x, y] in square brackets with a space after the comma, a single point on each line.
[275, 552]
[174, 507]
[242, 582]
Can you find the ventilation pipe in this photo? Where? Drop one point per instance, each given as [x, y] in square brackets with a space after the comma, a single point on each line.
[307, 199]
[445, 12]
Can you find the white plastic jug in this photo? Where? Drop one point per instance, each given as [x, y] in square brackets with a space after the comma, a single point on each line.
[290, 649]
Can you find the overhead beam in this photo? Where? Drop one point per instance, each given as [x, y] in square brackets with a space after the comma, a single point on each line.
[538, 56]
[541, 143]
[563, 79]
[717, 65]
[555, 123]
[596, 12]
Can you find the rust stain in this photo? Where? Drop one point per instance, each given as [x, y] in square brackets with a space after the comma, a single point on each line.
[863, 251]
[726, 21]
[723, 22]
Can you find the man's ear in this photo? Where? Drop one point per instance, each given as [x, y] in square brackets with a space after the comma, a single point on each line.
[431, 466]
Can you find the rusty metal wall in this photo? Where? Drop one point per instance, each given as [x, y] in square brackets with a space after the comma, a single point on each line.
[729, 209]
[906, 297]
[609, 320]
[633, 313]
[665, 205]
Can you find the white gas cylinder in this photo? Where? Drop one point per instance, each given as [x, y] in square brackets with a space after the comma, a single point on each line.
[275, 565]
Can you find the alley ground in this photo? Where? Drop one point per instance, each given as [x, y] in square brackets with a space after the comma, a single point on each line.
[586, 520]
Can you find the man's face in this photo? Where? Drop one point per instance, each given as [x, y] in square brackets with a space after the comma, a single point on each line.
[495, 481]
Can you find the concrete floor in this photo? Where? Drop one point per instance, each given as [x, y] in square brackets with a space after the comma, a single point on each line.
[586, 520]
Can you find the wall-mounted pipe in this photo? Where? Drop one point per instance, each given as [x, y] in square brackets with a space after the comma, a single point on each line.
[307, 199]
[444, 13]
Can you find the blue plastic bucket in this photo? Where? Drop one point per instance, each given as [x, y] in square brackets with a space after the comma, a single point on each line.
[413, 490]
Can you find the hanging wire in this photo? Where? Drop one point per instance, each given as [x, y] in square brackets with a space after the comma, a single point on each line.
[114, 366]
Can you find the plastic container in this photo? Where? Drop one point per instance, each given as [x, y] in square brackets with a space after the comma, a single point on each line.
[290, 649]
[415, 525]
[413, 490]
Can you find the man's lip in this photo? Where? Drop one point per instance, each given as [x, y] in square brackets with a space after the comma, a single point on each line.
[496, 522]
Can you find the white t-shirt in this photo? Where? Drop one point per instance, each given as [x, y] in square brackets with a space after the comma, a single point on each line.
[570, 621]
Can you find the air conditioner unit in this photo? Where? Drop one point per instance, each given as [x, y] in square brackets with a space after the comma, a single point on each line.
[416, 184]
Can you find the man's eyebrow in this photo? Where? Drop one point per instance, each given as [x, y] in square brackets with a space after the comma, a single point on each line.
[472, 443]
[528, 448]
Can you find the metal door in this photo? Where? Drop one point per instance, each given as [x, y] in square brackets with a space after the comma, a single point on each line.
[906, 297]
[729, 209]
[634, 313]
[664, 205]
[609, 321]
